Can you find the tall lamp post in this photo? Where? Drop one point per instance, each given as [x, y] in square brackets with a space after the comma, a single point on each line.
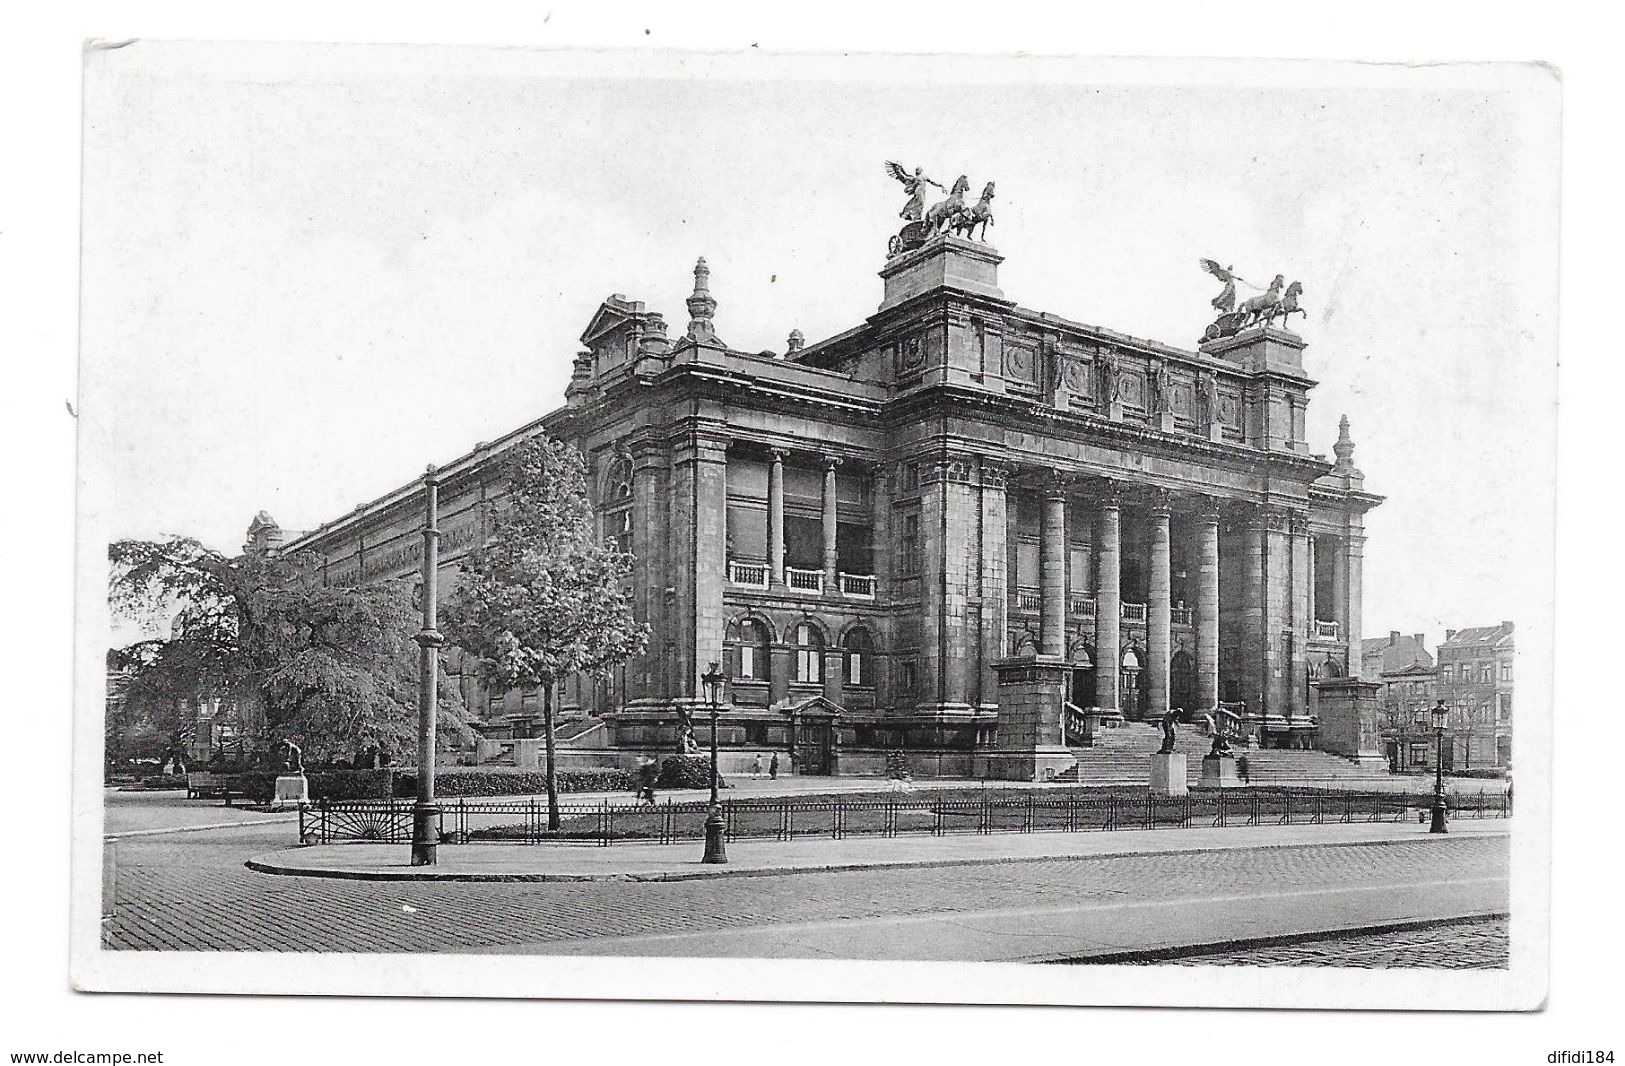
[716, 849]
[1440, 714]
[425, 815]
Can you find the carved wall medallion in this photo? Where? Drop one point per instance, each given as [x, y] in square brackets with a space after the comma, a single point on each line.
[1079, 379]
[1019, 363]
[910, 352]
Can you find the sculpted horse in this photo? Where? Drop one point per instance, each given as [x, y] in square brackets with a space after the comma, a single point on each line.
[941, 214]
[978, 214]
[1253, 311]
[1287, 306]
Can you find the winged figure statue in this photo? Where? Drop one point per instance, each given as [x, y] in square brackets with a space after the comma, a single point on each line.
[914, 184]
[1225, 302]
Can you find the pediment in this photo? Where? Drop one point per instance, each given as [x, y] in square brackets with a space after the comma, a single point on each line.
[816, 705]
[612, 315]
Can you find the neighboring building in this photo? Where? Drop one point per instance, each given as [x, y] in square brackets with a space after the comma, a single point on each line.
[1402, 665]
[889, 537]
[1475, 682]
[1391, 654]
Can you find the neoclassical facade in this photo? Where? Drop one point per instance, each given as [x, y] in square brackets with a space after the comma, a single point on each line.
[961, 529]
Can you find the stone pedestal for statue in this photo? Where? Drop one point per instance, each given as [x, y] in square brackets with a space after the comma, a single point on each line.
[1114, 410]
[1350, 720]
[1219, 771]
[292, 790]
[1213, 431]
[1163, 420]
[1168, 774]
[1031, 737]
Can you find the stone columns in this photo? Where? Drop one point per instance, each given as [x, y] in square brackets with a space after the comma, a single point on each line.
[995, 606]
[831, 578]
[1314, 570]
[1052, 570]
[699, 560]
[1275, 579]
[775, 519]
[1302, 626]
[1207, 608]
[1340, 586]
[1108, 601]
[1353, 601]
[1159, 611]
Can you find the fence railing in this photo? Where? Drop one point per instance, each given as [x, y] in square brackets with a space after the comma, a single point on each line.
[888, 815]
[1133, 612]
[1326, 630]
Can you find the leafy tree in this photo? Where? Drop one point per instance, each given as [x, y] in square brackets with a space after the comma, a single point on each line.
[334, 669]
[543, 597]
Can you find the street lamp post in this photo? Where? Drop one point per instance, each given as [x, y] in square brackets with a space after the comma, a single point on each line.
[1440, 714]
[716, 849]
[425, 815]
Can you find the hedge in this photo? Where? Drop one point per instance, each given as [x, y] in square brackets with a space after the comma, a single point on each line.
[505, 782]
[260, 785]
[688, 771]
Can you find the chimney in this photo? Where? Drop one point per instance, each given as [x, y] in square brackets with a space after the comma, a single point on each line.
[1393, 637]
[1449, 635]
[1506, 626]
[1418, 638]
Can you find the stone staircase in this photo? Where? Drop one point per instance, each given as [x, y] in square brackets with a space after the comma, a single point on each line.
[1122, 756]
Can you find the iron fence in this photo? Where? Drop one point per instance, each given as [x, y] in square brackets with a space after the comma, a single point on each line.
[891, 815]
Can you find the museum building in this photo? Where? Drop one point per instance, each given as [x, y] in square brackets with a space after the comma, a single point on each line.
[964, 530]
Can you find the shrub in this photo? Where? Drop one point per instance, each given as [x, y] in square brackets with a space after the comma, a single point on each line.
[688, 771]
[497, 781]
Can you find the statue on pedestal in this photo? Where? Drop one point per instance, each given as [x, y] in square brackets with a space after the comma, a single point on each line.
[1168, 721]
[1207, 398]
[293, 759]
[1162, 398]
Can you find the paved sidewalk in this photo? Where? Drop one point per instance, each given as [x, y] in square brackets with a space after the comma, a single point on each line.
[681, 861]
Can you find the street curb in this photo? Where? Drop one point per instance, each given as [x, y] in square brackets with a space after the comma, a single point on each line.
[193, 828]
[1184, 951]
[266, 864]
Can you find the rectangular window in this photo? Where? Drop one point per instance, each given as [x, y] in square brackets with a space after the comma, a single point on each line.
[1447, 675]
[908, 546]
[911, 678]
[854, 668]
[1487, 674]
[1419, 754]
[808, 663]
[1506, 671]
[747, 662]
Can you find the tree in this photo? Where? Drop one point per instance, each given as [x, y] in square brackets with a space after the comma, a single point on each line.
[544, 597]
[334, 669]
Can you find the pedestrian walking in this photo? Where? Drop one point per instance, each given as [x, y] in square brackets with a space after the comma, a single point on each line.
[1241, 769]
[773, 767]
[756, 766]
[647, 773]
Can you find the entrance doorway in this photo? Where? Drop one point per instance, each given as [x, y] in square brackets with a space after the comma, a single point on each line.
[1082, 690]
[814, 740]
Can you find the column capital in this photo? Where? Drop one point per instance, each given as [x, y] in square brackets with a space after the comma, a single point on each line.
[1160, 501]
[778, 454]
[1109, 493]
[1298, 520]
[831, 461]
[1054, 483]
[1207, 508]
[995, 474]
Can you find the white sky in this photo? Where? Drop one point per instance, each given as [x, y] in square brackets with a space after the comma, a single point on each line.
[309, 272]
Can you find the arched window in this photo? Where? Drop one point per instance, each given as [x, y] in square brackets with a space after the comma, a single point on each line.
[809, 645]
[616, 504]
[748, 649]
[859, 649]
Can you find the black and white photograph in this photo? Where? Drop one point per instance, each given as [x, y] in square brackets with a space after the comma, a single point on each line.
[799, 526]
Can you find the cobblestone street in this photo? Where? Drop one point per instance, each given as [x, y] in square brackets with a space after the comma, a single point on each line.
[190, 891]
[1481, 944]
